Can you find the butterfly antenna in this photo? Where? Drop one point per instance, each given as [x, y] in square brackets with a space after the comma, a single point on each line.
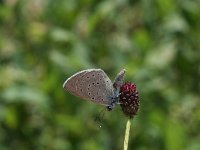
[100, 117]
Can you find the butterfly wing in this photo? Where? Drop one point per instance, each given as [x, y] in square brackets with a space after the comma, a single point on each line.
[92, 84]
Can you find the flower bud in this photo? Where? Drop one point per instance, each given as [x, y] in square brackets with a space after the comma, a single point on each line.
[129, 99]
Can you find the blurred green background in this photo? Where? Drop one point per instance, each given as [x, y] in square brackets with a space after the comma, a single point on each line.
[42, 42]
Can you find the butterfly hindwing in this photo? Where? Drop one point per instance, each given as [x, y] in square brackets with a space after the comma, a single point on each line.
[91, 84]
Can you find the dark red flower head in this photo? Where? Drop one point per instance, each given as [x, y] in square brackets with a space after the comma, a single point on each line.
[129, 99]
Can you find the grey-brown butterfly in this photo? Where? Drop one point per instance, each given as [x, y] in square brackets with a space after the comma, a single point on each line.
[94, 85]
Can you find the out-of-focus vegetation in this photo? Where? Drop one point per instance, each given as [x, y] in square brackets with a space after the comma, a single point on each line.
[42, 42]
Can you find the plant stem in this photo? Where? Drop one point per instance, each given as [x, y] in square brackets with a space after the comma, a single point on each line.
[126, 138]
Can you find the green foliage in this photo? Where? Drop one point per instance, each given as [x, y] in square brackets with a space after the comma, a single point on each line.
[44, 42]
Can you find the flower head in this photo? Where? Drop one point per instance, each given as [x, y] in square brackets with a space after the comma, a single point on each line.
[129, 99]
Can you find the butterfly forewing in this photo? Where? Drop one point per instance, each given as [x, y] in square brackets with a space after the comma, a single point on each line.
[91, 84]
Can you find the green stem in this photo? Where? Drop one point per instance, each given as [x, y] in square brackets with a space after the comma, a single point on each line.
[126, 138]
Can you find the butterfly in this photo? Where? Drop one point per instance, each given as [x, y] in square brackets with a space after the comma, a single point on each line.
[94, 85]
